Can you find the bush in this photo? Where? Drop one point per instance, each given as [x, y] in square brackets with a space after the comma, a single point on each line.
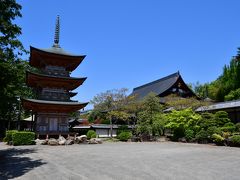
[178, 133]
[237, 127]
[23, 138]
[189, 134]
[235, 140]
[124, 136]
[94, 135]
[202, 136]
[221, 118]
[213, 130]
[228, 129]
[91, 134]
[8, 136]
[219, 140]
[122, 128]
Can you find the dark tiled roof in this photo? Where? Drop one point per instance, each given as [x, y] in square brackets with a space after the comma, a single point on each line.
[159, 86]
[220, 106]
[55, 50]
[56, 102]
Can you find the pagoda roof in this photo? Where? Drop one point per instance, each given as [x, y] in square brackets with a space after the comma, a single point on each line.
[54, 56]
[72, 94]
[52, 106]
[160, 86]
[42, 80]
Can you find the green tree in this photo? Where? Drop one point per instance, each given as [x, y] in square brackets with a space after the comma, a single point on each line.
[150, 119]
[12, 68]
[116, 105]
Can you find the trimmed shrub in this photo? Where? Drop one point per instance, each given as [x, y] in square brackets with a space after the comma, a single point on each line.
[23, 138]
[228, 129]
[213, 130]
[91, 134]
[235, 140]
[94, 135]
[8, 136]
[237, 127]
[124, 136]
[219, 140]
[122, 128]
[202, 136]
[189, 134]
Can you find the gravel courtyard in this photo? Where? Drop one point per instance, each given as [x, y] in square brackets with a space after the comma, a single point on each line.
[120, 161]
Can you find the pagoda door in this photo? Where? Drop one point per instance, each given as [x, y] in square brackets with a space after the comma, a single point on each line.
[53, 124]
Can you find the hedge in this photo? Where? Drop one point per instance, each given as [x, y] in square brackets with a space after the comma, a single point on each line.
[23, 138]
[8, 137]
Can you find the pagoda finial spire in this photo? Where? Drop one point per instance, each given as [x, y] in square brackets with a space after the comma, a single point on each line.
[57, 31]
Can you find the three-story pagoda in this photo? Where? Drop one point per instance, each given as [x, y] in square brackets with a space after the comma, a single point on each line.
[53, 86]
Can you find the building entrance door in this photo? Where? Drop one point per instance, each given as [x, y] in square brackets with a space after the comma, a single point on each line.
[53, 124]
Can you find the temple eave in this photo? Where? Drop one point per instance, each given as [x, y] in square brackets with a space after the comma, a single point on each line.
[69, 83]
[55, 57]
[52, 106]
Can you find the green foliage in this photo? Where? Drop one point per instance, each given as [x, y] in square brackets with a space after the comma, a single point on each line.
[235, 139]
[105, 121]
[178, 132]
[109, 100]
[123, 128]
[151, 120]
[8, 136]
[91, 134]
[12, 68]
[234, 94]
[189, 134]
[96, 114]
[226, 86]
[218, 139]
[213, 130]
[237, 127]
[202, 135]
[179, 103]
[207, 120]
[221, 118]
[23, 138]
[229, 129]
[124, 136]
[115, 105]
[184, 118]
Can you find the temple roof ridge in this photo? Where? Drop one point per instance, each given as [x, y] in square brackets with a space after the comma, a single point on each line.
[176, 74]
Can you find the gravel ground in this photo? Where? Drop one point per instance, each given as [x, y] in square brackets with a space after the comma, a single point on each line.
[120, 161]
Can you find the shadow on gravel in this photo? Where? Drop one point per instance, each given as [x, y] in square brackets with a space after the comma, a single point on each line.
[13, 163]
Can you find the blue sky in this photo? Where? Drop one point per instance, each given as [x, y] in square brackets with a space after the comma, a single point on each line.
[131, 42]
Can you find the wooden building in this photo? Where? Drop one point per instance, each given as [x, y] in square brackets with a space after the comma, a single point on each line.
[231, 107]
[172, 84]
[54, 87]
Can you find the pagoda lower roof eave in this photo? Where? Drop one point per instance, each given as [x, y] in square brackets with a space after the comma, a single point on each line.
[43, 80]
[52, 106]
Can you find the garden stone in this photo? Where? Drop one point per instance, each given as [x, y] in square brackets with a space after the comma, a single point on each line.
[92, 141]
[69, 142]
[40, 142]
[99, 141]
[61, 140]
[52, 142]
[81, 139]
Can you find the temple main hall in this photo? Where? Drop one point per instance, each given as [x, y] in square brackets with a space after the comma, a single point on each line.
[54, 87]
